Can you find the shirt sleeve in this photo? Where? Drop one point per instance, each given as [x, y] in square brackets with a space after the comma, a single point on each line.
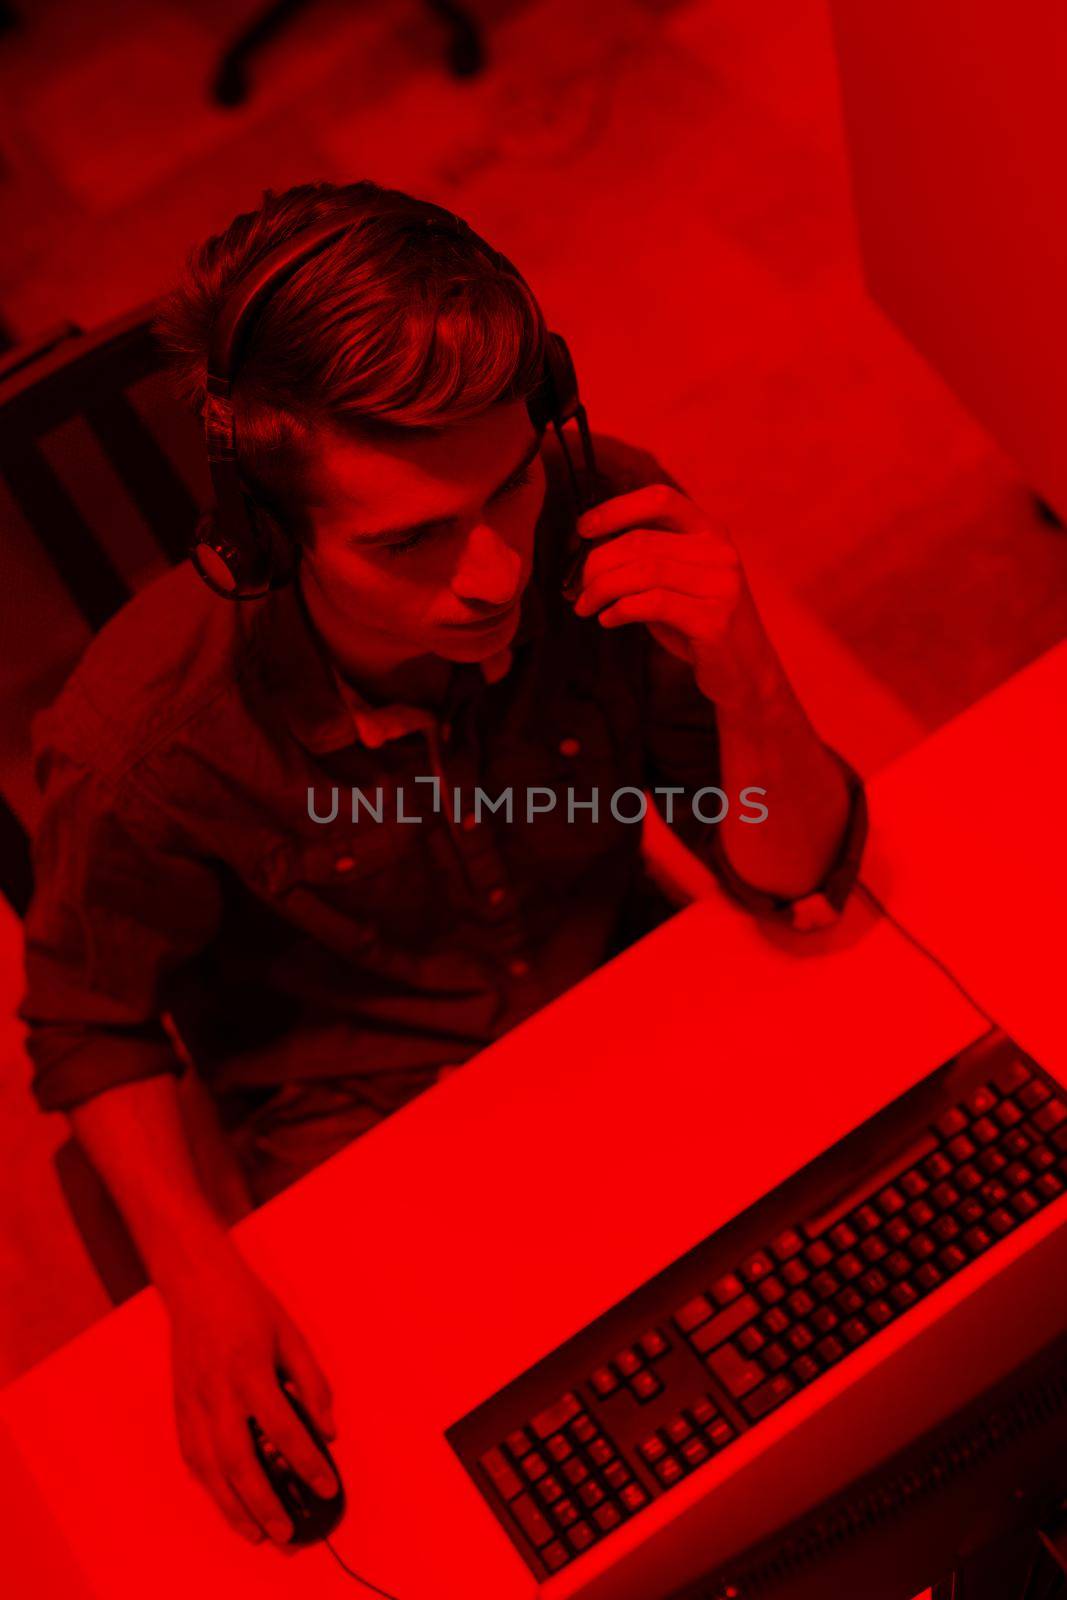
[681, 745]
[118, 908]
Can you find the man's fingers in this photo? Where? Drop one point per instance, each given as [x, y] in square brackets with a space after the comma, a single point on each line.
[656, 505]
[238, 1464]
[299, 1365]
[287, 1433]
[706, 584]
[200, 1459]
[679, 611]
[705, 550]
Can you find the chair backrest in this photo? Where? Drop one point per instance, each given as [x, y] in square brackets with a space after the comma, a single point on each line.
[102, 474]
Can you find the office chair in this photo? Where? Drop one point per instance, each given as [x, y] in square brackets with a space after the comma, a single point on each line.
[101, 478]
[464, 50]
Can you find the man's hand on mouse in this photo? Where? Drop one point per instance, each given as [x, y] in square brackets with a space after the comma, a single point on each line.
[230, 1339]
[665, 562]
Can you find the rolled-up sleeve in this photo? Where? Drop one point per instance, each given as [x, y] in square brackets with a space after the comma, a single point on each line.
[118, 908]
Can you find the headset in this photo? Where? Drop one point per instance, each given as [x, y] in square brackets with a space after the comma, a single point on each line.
[239, 548]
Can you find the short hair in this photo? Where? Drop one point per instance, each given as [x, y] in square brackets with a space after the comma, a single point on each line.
[395, 325]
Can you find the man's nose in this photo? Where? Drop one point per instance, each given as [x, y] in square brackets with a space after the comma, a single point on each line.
[489, 571]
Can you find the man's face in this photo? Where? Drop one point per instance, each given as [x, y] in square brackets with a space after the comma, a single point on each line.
[423, 545]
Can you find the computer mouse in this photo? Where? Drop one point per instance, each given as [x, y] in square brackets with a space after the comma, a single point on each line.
[313, 1517]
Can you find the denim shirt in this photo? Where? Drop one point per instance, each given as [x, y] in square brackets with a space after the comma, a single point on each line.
[184, 886]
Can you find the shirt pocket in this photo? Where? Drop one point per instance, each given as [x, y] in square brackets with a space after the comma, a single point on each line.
[346, 886]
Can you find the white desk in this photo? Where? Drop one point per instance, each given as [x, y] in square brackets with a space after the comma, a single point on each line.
[429, 1268]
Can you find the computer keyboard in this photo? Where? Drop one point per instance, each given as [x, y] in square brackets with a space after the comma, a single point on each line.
[670, 1377]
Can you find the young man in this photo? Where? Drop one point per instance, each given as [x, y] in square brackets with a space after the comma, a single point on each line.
[202, 878]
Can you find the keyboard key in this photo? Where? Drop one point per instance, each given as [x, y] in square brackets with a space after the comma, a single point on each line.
[550, 1489]
[771, 1290]
[607, 1517]
[726, 1289]
[766, 1398]
[1012, 1076]
[800, 1303]
[890, 1201]
[703, 1413]
[669, 1471]
[502, 1475]
[1001, 1221]
[721, 1327]
[758, 1266]
[1041, 1158]
[532, 1521]
[977, 1240]
[693, 1313]
[559, 1448]
[679, 1430]
[849, 1266]
[880, 1312]
[633, 1497]
[751, 1339]
[775, 1321]
[922, 1247]
[903, 1296]
[994, 1193]
[897, 1265]
[913, 1183]
[921, 1212]
[945, 1229]
[898, 1231]
[968, 1177]
[774, 1358]
[874, 1282]
[929, 1276]
[575, 1471]
[653, 1344]
[591, 1494]
[565, 1513]
[738, 1374]
[583, 1429]
[960, 1149]
[1017, 1175]
[805, 1368]
[992, 1161]
[818, 1254]
[627, 1362]
[616, 1474]
[1008, 1114]
[645, 1386]
[652, 1449]
[695, 1452]
[985, 1131]
[1050, 1116]
[519, 1443]
[855, 1330]
[945, 1196]
[554, 1556]
[825, 1319]
[849, 1302]
[952, 1258]
[1016, 1143]
[600, 1452]
[801, 1337]
[580, 1537]
[843, 1237]
[1035, 1094]
[720, 1433]
[554, 1418]
[937, 1166]
[953, 1122]
[1049, 1186]
[787, 1245]
[874, 1248]
[795, 1272]
[604, 1382]
[1024, 1203]
[830, 1350]
[866, 1219]
[981, 1100]
[534, 1466]
[825, 1285]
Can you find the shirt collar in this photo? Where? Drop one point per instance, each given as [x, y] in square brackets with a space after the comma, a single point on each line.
[324, 711]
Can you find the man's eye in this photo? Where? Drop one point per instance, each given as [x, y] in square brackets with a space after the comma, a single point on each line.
[398, 546]
[522, 481]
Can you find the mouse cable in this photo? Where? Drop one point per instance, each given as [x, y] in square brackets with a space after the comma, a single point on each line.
[373, 1587]
[923, 949]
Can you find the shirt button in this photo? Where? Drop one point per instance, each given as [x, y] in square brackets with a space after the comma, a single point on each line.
[469, 821]
[569, 747]
[344, 863]
[496, 896]
[518, 968]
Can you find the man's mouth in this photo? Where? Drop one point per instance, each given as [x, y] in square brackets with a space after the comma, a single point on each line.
[482, 623]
